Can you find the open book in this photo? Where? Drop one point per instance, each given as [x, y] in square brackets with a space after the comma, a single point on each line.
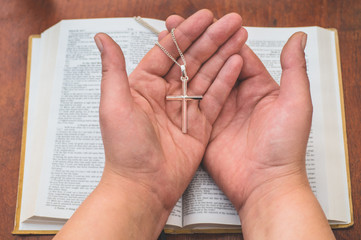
[62, 154]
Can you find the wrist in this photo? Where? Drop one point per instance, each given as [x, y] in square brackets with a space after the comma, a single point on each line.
[273, 190]
[284, 205]
[117, 209]
[141, 208]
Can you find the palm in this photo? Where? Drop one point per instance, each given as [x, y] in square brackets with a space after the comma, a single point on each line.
[159, 123]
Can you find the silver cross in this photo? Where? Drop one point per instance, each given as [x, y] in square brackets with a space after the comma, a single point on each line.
[184, 98]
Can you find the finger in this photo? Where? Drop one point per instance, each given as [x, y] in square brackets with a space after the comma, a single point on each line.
[157, 62]
[162, 34]
[207, 44]
[115, 93]
[294, 80]
[252, 66]
[217, 94]
[207, 73]
[201, 82]
[254, 82]
[173, 21]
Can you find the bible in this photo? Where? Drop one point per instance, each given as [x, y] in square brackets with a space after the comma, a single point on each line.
[62, 154]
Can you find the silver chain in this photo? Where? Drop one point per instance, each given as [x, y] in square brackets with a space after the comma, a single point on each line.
[146, 25]
[179, 51]
[151, 28]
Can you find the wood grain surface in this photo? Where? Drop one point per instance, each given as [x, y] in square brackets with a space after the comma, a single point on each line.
[20, 18]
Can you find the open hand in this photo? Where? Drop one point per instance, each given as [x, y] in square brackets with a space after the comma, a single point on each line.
[141, 130]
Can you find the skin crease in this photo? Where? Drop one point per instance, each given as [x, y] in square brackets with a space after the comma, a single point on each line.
[250, 132]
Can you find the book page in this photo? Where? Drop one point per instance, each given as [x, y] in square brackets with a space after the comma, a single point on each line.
[204, 202]
[31, 168]
[42, 67]
[175, 218]
[338, 195]
[74, 157]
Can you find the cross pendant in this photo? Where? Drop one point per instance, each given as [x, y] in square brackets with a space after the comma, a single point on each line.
[184, 98]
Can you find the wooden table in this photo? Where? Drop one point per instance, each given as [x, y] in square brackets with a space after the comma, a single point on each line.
[20, 18]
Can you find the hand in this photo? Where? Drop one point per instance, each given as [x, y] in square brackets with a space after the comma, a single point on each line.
[262, 130]
[257, 149]
[149, 161]
[141, 130]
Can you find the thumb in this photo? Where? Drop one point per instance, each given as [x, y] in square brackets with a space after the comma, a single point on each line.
[115, 92]
[295, 87]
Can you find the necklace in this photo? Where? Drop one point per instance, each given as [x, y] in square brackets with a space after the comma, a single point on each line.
[184, 78]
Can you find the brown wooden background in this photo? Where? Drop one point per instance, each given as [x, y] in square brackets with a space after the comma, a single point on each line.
[20, 18]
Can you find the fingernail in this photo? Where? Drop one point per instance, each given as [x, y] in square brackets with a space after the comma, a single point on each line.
[99, 43]
[304, 41]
